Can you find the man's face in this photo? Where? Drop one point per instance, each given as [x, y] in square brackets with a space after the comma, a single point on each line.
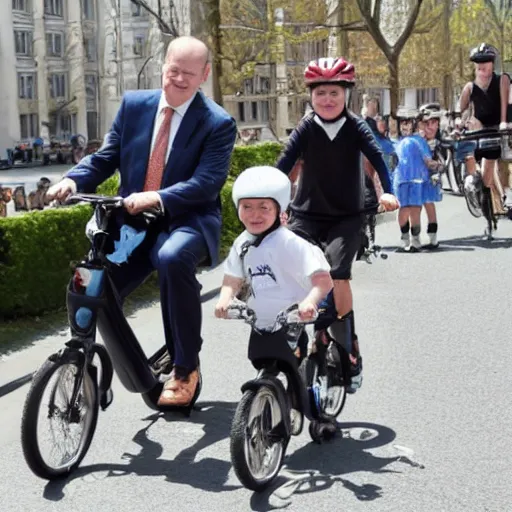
[483, 69]
[431, 127]
[328, 101]
[182, 75]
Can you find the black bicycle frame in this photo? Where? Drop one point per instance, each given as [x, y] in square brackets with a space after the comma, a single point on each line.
[271, 353]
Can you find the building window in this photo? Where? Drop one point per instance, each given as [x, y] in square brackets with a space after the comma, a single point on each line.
[92, 125]
[29, 125]
[53, 7]
[136, 9]
[429, 95]
[27, 86]
[57, 84]
[138, 45]
[91, 87]
[254, 110]
[54, 45]
[265, 110]
[264, 85]
[241, 111]
[249, 86]
[23, 42]
[90, 49]
[88, 9]
[20, 5]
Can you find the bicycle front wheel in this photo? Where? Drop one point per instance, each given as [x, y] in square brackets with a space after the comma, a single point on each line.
[257, 450]
[59, 418]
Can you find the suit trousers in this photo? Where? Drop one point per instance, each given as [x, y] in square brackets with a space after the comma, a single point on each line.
[175, 256]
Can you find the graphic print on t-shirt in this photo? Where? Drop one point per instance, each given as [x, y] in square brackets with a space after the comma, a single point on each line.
[262, 278]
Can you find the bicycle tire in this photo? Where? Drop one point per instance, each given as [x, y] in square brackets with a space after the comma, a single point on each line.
[309, 370]
[453, 173]
[238, 436]
[30, 417]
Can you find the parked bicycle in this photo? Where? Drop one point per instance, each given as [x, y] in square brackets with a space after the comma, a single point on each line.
[70, 377]
[275, 403]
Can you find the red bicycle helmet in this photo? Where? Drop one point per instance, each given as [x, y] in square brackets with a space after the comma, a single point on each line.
[330, 70]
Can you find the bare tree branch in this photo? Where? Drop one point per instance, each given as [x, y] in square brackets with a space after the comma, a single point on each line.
[241, 27]
[165, 28]
[413, 16]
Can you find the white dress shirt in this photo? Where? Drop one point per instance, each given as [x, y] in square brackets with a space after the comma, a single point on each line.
[177, 117]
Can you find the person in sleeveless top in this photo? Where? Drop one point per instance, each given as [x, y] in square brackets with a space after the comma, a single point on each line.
[488, 97]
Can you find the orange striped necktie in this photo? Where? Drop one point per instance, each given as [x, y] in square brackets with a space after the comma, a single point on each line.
[156, 165]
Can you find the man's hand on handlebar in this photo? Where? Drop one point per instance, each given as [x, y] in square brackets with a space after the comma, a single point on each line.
[61, 190]
[389, 202]
[142, 201]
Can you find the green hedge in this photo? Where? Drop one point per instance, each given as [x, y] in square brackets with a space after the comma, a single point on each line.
[37, 248]
[243, 157]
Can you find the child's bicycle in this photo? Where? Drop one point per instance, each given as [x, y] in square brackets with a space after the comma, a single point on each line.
[274, 404]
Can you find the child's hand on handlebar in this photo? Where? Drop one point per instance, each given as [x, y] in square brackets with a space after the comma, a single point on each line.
[307, 310]
[221, 308]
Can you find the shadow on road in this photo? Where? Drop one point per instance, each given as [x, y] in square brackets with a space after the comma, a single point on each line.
[477, 241]
[207, 474]
[15, 384]
[332, 462]
[468, 243]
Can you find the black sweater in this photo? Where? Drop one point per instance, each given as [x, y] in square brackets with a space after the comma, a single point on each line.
[332, 183]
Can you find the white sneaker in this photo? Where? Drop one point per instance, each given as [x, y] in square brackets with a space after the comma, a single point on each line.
[415, 244]
[433, 240]
[406, 241]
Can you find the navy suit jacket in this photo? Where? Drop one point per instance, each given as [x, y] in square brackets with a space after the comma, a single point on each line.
[195, 172]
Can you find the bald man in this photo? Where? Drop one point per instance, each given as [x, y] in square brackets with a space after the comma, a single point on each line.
[172, 147]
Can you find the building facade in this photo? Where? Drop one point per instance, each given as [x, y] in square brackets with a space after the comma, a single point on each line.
[66, 63]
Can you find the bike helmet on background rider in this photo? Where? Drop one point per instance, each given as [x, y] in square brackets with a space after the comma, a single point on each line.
[329, 70]
[263, 182]
[430, 111]
[483, 53]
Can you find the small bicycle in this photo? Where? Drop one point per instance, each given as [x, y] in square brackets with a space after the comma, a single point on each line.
[274, 404]
[74, 385]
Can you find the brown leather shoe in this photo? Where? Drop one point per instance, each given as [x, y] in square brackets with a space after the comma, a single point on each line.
[178, 392]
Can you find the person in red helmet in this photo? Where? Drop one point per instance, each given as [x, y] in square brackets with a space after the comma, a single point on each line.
[329, 206]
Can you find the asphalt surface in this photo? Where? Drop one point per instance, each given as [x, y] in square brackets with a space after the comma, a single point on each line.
[429, 430]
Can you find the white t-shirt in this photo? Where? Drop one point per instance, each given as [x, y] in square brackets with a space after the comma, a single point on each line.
[279, 271]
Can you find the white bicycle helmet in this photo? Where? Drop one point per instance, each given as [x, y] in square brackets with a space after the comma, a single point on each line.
[265, 182]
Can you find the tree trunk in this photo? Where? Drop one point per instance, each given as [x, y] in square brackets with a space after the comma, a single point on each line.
[342, 36]
[216, 38]
[447, 50]
[394, 83]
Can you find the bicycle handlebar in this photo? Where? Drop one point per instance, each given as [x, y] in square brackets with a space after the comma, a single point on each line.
[110, 203]
[238, 310]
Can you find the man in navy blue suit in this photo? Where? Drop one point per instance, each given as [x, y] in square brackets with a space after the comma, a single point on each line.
[172, 148]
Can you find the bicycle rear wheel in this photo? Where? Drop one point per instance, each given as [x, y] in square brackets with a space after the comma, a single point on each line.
[257, 450]
[325, 384]
[73, 418]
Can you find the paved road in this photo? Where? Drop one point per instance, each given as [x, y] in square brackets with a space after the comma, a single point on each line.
[31, 175]
[434, 330]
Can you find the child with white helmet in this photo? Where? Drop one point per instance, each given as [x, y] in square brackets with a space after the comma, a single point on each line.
[281, 267]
